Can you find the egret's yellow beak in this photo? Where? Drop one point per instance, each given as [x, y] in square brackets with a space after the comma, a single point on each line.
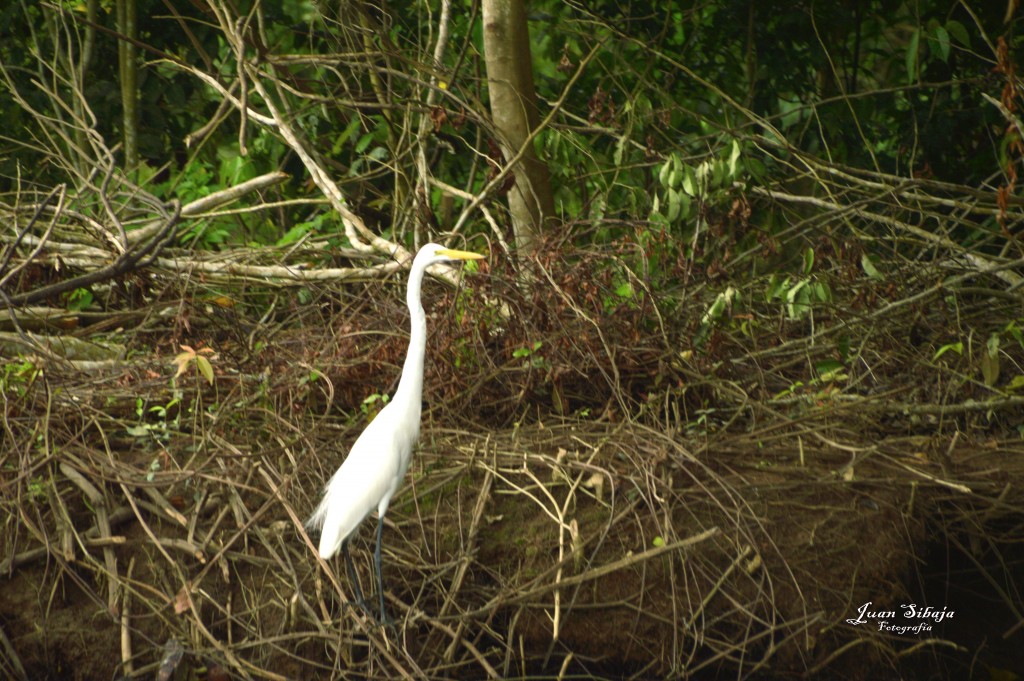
[458, 255]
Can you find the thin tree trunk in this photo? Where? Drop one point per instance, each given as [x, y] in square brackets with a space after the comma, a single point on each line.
[128, 70]
[514, 111]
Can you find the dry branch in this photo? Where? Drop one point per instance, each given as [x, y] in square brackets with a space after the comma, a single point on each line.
[139, 256]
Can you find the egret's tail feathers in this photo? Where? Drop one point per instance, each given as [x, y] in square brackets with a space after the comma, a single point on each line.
[328, 544]
[316, 521]
[333, 523]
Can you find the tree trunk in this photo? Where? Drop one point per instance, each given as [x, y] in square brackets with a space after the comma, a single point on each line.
[514, 111]
[128, 70]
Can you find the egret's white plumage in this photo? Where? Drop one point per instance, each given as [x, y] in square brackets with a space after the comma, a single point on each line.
[377, 463]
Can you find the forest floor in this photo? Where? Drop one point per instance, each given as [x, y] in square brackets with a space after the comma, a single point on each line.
[662, 513]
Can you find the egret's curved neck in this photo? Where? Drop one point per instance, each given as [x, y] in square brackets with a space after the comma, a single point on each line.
[410, 387]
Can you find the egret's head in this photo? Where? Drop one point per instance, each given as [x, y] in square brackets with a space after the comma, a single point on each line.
[434, 253]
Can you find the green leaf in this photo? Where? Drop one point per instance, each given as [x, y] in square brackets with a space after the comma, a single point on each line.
[942, 38]
[827, 368]
[663, 174]
[721, 305]
[364, 142]
[822, 292]
[733, 158]
[990, 361]
[294, 234]
[205, 368]
[869, 267]
[798, 300]
[808, 260]
[912, 48]
[349, 130]
[717, 174]
[993, 345]
[990, 368]
[80, 299]
[957, 347]
[689, 181]
[658, 541]
[1015, 333]
[674, 204]
[844, 347]
[777, 287]
[684, 205]
[675, 177]
[717, 307]
[958, 32]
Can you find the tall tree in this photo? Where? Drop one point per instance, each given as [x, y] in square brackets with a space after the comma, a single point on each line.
[514, 112]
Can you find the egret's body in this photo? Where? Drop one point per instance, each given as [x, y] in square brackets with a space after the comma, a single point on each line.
[379, 459]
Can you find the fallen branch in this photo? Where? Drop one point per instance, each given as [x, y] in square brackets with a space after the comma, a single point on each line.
[127, 262]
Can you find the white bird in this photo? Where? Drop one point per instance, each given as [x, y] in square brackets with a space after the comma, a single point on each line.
[377, 463]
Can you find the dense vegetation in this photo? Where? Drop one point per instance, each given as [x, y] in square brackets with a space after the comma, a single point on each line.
[640, 96]
[763, 364]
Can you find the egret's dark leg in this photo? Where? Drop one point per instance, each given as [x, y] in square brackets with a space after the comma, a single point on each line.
[380, 573]
[357, 591]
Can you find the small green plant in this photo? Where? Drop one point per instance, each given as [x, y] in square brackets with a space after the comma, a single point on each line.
[622, 294]
[79, 299]
[18, 377]
[310, 377]
[37, 489]
[829, 373]
[154, 468]
[685, 187]
[159, 429]
[532, 355]
[800, 294]
[716, 312]
[201, 358]
[957, 347]
[299, 231]
[703, 424]
[990, 366]
[372, 405]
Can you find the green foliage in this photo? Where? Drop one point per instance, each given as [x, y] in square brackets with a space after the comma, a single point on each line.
[310, 377]
[798, 296]
[687, 188]
[372, 405]
[79, 299]
[532, 355]
[154, 424]
[299, 231]
[716, 313]
[680, 110]
[956, 346]
[17, 377]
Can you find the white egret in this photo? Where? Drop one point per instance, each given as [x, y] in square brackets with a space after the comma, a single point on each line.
[377, 463]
